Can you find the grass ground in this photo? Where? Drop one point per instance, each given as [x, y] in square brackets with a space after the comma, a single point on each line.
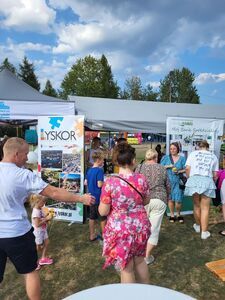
[180, 263]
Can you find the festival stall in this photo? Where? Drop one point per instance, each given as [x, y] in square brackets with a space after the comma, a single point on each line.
[193, 122]
[60, 137]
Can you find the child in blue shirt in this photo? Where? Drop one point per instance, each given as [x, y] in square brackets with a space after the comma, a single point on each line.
[94, 181]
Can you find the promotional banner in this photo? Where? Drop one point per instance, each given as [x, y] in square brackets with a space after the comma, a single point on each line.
[28, 110]
[61, 160]
[189, 131]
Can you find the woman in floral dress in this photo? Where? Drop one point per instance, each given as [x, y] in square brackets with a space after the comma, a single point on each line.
[128, 228]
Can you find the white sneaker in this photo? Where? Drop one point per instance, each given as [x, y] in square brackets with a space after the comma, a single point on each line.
[205, 235]
[149, 260]
[196, 227]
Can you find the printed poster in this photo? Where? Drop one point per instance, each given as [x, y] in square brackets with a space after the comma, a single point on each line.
[61, 160]
[188, 132]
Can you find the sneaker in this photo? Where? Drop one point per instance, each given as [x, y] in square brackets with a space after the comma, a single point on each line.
[45, 261]
[149, 260]
[196, 228]
[38, 267]
[205, 235]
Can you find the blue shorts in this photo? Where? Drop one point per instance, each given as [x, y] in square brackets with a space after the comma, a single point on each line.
[21, 251]
[202, 185]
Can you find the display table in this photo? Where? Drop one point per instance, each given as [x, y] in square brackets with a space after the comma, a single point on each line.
[128, 291]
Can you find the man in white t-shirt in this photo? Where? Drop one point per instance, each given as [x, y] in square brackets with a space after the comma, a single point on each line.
[17, 241]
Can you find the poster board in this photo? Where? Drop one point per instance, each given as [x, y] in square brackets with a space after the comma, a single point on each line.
[61, 160]
[188, 132]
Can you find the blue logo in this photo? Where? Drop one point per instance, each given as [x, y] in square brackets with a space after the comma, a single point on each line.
[4, 111]
[55, 122]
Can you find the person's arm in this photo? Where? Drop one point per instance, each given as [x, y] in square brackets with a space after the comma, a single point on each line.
[105, 200]
[188, 170]
[100, 178]
[99, 183]
[167, 186]
[62, 195]
[183, 170]
[104, 209]
[215, 176]
[38, 221]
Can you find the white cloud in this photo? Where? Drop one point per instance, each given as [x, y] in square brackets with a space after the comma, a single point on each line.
[27, 15]
[204, 78]
[53, 71]
[154, 84]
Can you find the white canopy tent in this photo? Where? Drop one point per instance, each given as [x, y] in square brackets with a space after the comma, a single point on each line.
[19, 101]
[138, 116]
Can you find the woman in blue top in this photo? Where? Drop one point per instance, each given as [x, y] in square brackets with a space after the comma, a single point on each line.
[175, 165]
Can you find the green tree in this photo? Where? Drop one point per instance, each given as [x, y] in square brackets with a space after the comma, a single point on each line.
[7, 65]
[135, 91]
[90, 77]
[110, 88]
[178, 87]
[133, 88]
[49, 90]
[27, 74]
[149, 94]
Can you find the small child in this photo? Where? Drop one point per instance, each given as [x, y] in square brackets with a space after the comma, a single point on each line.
[94, 181]
[39, 222]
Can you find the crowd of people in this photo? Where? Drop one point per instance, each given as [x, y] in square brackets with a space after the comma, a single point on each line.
[130, 205]
[135, 201]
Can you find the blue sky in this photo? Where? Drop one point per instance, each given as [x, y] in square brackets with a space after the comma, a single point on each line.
[144, 38]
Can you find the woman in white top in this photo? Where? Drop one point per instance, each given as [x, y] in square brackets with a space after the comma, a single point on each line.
[201, 167]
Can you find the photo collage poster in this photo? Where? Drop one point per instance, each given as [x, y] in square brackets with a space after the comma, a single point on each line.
[61, 160]
[188, 132]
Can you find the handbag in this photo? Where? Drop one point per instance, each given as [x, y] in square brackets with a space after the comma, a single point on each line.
[182, 178]
[182, 181]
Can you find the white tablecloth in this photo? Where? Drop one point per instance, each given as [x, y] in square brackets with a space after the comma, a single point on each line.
[128, 292]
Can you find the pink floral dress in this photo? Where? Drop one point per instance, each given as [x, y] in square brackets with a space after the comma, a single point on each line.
[128, 228]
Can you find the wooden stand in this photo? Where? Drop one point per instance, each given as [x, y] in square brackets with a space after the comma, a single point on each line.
[218, 268]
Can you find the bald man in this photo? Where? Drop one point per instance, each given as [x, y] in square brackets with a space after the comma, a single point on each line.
[17, 241]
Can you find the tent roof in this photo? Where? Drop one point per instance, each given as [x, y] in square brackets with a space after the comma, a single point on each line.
[13, 88]
[19, 101]
[139, 116]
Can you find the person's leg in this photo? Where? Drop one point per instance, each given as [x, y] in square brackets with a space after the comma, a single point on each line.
[92, 229]
[197, 208]
[127, 274]
[178, 207]
[205, 205]
[156, 210]
[171, 208]
[222, 232]
[92, 220]
[141, 270]
[33, 285]
[3, 259]
[45, 248]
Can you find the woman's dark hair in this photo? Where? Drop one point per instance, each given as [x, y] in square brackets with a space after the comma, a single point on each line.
[203, 144]
[175, 144]
[124, 154]
[121, 140]
[158, 148]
